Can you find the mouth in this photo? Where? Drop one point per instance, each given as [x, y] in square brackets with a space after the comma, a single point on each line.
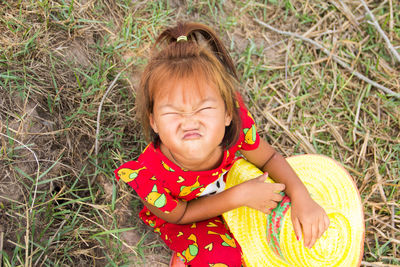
[191, 135]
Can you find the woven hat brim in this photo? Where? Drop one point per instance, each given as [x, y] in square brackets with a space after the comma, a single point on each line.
[332, 187]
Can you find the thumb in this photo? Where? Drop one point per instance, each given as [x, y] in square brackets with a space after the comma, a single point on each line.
[297, 228]
[263, 177]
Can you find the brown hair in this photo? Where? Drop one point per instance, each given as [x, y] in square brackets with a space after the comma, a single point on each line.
[201, 55]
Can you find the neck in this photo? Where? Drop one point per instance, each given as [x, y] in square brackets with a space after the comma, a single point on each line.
[212, 162]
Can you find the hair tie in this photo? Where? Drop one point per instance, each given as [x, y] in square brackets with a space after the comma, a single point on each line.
[181, 38]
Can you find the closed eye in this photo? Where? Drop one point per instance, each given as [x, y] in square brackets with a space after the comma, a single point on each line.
[176, 113]
[170, 113]
[206, 109]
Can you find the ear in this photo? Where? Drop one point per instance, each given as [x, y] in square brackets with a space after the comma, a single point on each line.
[228, 119]
[153, 123]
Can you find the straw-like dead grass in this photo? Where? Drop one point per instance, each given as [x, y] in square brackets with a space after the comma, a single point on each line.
[58, 58]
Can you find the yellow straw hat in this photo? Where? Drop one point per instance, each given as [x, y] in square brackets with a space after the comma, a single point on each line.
[269, 240]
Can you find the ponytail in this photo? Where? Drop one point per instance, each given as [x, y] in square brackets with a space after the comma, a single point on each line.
[196, 33]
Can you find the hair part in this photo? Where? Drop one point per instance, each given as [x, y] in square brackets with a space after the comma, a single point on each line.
[201, 59]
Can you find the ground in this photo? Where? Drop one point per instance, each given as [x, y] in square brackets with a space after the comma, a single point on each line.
[70, 69]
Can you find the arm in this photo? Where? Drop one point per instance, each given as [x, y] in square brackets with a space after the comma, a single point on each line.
[307, 216]
[254, 193]
[268, 160]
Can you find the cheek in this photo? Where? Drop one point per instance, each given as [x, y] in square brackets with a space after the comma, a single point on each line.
[167, 125]
[218, 126]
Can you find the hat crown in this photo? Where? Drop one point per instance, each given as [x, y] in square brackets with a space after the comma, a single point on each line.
[330, 186]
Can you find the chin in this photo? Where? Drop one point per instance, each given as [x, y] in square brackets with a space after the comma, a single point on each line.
[196, 154]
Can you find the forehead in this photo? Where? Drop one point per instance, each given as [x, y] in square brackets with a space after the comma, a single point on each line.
[190, 89]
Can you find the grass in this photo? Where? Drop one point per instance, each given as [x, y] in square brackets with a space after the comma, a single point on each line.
[58, 58]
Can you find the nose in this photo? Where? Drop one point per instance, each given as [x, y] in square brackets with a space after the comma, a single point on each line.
[189, 122]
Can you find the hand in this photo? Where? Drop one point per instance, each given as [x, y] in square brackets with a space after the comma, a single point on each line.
[259, 195]
[311, 217]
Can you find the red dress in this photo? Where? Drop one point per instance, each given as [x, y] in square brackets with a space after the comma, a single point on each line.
[160, 182]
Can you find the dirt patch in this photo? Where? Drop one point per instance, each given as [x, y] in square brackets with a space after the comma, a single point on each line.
[57, 61]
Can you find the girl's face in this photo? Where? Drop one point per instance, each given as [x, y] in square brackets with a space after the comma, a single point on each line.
[191, 124]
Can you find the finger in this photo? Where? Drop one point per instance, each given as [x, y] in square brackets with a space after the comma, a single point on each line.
[272, 204]
[278, 187]
[267, 210]
[314, 234]
[321, 228]
[277, 197]
[263, 177]
[327, 222]
[297, 228]
[307, 231]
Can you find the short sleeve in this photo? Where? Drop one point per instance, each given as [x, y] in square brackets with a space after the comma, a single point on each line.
[249, 138]
[146, 185]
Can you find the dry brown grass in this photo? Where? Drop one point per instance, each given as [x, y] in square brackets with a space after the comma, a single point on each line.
[58, 58]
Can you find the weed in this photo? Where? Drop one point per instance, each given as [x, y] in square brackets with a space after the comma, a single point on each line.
[58, 58]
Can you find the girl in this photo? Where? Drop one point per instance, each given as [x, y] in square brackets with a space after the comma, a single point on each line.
[196, 122]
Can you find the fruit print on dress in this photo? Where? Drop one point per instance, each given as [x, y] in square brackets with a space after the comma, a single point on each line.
[228, 241]
[186, 190]
[156, 199]
[166, 167]
[211, 224]
[191, 252]
[128, 175]
[209, 247]
[250, 135]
